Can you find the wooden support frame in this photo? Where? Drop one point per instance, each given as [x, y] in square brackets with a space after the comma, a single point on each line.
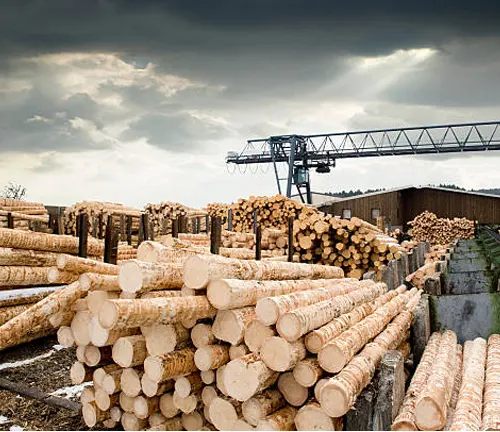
[128, 229]
[230, 219]
[110, 242]
[290, 238]
[10, 221]
[258, 243]
[175, 228]
[215, 235]
[83, 234]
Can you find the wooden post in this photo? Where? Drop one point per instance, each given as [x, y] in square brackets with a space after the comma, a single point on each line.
[143, 228]
[101, 223]
[110, 242]
[175, 228]
[215, 235]
[83, 234]
[123, 227]
[290, 239]
[10, 221]
[255, 222]
[182, 224]
[59, 227]
[230, 220]
[129, 229]
[258, 243]
[196, 225]
[207, 223]
[94, 227]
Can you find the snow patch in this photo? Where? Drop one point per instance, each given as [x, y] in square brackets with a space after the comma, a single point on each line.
[4, 420]
[27, 361]
[16, 428]
[58, 347]
[72, 391]
[26, 292]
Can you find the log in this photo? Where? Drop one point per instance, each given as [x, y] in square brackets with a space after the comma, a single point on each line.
[208, 394]
[173, 424]
[9, 312]
[227, 294]
[111, 383]
[137, 277]
[307, 372]
[95, 299]
[297, 323]
[281, 355]
[468, 411]
[65, 337]
[270, 309]
[193, 421]
[24, 257]
[131, 422]
[456, 389]
[163, 368]
[100, 374]
[87, 395]
[130, 351]
[167, 407]
[79, 373]
[491, 414]
[96, 356]
[200, 270]
[406, 416]
[260, 406]
[211, 357]
[202, 335]
[163, 338]
[237, 351]
[126, 403]
[229, 325]
[25, 296]
[130, 381]
[295, 394]
[93, 415]
[247, 376]
[255, 334]
[80, 265]
[312, 417]
[80, 327]
[115, 413]
[46, 242]
[145, 407]
[158, 294]
[184, 386]
[13, 276]
[99, 282]
[220, 380]
[188, 404]
[208, 377]
[224, 413]
[101, 337]
[153, 252]
[143, 312]
[432, 406]
[281, 420]
[105, 401]
[152, 388]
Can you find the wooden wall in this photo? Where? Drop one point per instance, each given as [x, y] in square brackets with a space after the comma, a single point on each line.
[399, 207]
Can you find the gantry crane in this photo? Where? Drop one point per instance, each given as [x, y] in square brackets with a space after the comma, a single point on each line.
[302, 152]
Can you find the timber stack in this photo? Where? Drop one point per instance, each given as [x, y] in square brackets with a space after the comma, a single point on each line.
[454, 387]
[354, 245]
[202, 342]
[25, 214]
[98, 213]
[428, 227]
[161, 216]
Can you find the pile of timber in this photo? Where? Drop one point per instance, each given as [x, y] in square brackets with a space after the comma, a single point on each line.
[354, 245]
[218, 210]
[454, 387]
[418, 277]
[272, 212]
[436, 253]
[428, 227]
[202, 342]
[98, 213]
[161, 216]
[25, 214]
[409, 245]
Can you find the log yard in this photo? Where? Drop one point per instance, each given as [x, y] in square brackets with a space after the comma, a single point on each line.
[249, 215]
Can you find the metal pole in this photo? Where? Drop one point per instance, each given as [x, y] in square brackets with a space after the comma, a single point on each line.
[291, 162]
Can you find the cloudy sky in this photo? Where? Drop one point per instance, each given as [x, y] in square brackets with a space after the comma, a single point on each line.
[139, 101]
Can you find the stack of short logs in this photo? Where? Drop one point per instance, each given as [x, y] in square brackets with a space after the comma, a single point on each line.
[24, 214]
[161, 216]
[454, 387]
[201, 342]
[354, 245]
[428, 227]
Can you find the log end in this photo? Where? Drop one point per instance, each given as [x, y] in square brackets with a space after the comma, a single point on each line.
[167, 407]
[222, 414]
[102, 399]
[141, 408]
[239, 382]
[160, 339]
[77, 373]
[89, 414]
[334, 400]
[288, 327]
[312, 417]
[252, 411]
[331, 358]
[304, 375]
[123, 352]
[147, 252]
[108, 315]
[295, 394]
[203, 359]
[149, 387]
[153, 368]
[130, 382]
[130, 277]
[65, 337]
[195, 273]
[183, 387]
[98, 334]
[109, 385]
[219, 294]
[241, 425]
[267, 311]
[404, 426]
[429, 415]
[313, 343]
[276, 354]
[92, 355]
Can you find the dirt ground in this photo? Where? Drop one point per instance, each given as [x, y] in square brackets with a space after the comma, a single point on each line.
[47, 374]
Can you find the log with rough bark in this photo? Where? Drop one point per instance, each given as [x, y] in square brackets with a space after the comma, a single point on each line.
[406, 416]
[262, 405]
[130, 351]
[46, 242]
[281, 420]
[26, 257]
[211, 357]
[143, 312]
[137, 276]
[199, 270]
[163, 338]
[491, 413]
[456, 388]
[163, 368]
[12, 276]
[79, 265]
[99, 282]
[229, 325]
[432, 405]
[312, 417]
[9, 312]
[184, 386]
[297, 323]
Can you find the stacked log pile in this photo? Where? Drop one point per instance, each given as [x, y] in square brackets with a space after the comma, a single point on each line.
[160, 215]
[354, 245]
[198, 341]
[98, 213]
[25, 214]
[428, 227]
[454, 387]
[218, 210]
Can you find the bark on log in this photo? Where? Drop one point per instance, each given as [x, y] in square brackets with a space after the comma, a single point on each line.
[80, 265]
[99, 282]
[130, 351]
[491, 413]
[9, 312]
[281, 420]
[229, 325]
[13, 276]
[211, 357]
[262, 405]
[163, 368]
[26, 257]
[456, 389]
[200, 270]
[138, 277]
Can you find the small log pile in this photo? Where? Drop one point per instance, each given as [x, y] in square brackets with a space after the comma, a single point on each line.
[454, 387]
[417, 278]
[354, 245]
[98, 213]
[24, 214]
[160, 216]
[428, 227]
[436, 253]
[218, 210]
[201, 342]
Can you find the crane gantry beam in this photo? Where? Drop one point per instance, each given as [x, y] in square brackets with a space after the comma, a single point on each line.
[302, 152]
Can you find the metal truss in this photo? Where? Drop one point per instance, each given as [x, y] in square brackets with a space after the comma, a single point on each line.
[301, 152]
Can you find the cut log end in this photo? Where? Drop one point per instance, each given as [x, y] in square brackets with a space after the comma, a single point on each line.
[89, 413]
[289, 327]
[428, 415]
[130, 382]
[332, 359]
[130, 277]
[219, 294]
[65, 337]
[154, 368]
[167, 406]
[108, 315]
[267, 311]
[312, 417]
[334, 400]
[77, 373]
[295, 394]
[276, 353]
[196, 273]
[222, 414]
[314, 343]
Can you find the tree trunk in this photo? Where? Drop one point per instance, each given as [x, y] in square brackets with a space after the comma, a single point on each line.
[95, 356]
[202, 335]
[312, 417]
[138, 277]
[79, 373]
[65, 337]
[80, 265]
[184, 386]
[100, 336]
[26, 296]
[131, 381]
[23, 257]
[152, 388]
[93, 415]
[280, 355]
[491, 413]
[9, 312]
[262, 405]
[143, 312]
[167, 407]
[295, 394]
[297, 323]
[256, 333]
[247, 376]
[199, 270]
[111, 383]
[144, 407]
[163, 338]
[406, 416]
[282, 420]
[431, 408]
[80, 327]
[270, 309]
[237, 351]
[46, 242]
[14, 276]
[95, 299]
[131, 422]
[105, 401]
[229, 325]
[165, 367]
[153, 252]
[224, 413]
[99, 282]
[308, 371]
[130, 351]
[159, 294]
[211, 357]
[227, 294]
